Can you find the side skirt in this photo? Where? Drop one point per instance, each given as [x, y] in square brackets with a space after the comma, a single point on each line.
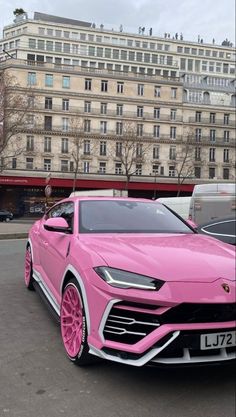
[42, 295]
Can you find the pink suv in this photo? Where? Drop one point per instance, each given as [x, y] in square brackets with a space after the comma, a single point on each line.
[133, 283]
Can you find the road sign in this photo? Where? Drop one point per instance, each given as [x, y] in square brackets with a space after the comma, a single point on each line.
[48, 190]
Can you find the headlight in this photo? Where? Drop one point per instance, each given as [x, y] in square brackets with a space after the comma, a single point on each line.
[124, 279]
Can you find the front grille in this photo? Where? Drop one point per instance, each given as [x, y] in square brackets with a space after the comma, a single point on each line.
[199, 313]
[128, 326]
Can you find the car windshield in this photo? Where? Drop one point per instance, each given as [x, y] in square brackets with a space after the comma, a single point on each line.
[123, 216]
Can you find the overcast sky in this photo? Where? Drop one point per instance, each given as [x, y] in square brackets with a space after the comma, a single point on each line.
[207, 18]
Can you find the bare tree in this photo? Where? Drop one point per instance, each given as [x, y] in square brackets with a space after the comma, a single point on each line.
[78, 138]
[132, 150]
[14, 107]
[185, 158]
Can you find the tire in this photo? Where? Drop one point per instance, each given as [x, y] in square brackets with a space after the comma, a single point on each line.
[29, 269]
[7, 219]
[73, 325]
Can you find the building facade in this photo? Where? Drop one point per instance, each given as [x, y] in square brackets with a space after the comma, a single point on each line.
[100, 101]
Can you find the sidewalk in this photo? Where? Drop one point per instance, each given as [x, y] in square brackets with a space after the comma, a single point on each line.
[16, 229]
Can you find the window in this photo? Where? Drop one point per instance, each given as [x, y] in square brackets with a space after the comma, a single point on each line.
[120, 87]
[119, 109]
[226, 155]
[156, 113]
[118, 168]
[138, 170]
[139, 111]
[65, 81]
[32, 43]
[173, 114]
[48, 103]
[58, 46]
[212, 172]
[64, 165]
[118, 149]
[172, 171]
[212, 117]
[48, 80]
[156, 131]
[87, 126]
[87, 147]
[197, 172]
[140, 89]
[226, 173]
[155, 170]
[103, 127]
[86, 167]
[173, 132]
[103, 148]
[139, 150]
[139, 129]
[156, 152]
[173, 92]
[172, 153]
[47, 144]
[31, 78]
[29, 163]
[64, 145]
[49, 46]
[14, 163]
[88, 84]
[48, 122]
[212, 152]
[47, 164]
[102, 168]
[65, 104]
[119, 128]
[87, 106]
[212, 135]
[226, 136]
[198, 116]
[104, 86]
[197, 153]
[226, 119]
[198, 135]
[103, 109]
[157, 91]
[65, 124]
[29, 143]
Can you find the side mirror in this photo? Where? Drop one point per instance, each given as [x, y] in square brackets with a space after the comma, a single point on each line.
[57, 224]
[192, 224]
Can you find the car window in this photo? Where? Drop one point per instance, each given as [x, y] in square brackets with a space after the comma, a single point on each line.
[65, 210]
[222, 228]
[123, 216]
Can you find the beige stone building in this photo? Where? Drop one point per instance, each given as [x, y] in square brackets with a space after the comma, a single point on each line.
[91, 91]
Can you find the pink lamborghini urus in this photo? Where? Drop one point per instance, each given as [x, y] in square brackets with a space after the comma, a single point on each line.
[132, 282]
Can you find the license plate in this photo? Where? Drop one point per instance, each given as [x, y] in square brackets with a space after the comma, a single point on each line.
[218, 340]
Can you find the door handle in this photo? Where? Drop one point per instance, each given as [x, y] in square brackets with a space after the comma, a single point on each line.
[45, 243]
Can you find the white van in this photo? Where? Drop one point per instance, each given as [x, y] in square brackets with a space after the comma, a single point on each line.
[212, 201]
[179, 204]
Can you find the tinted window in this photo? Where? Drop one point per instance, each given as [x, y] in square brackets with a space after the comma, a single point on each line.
[122, 216]
[223, 228]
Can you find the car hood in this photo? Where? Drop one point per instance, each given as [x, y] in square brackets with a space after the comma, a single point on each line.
[172, 257]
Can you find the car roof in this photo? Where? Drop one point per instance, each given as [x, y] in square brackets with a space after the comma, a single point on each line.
[94, 198]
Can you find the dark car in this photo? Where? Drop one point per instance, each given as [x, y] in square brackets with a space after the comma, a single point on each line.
[223, 229]
[5, 215]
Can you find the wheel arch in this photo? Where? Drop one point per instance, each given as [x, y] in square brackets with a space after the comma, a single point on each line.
[70, 273]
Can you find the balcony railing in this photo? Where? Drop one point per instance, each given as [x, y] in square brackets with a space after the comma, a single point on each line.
[88, 71]
[79, 111]
[217, 122]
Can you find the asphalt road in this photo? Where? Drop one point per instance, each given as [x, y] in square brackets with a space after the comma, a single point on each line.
[37, 380]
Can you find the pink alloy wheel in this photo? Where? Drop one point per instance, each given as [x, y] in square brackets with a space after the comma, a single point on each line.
[72, 320]
[28, 263]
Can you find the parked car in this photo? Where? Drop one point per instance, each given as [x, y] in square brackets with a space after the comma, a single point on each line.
[131, 282]
[223, 229]
[5, 216]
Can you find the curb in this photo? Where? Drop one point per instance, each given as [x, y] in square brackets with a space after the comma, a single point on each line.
[4, 236]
